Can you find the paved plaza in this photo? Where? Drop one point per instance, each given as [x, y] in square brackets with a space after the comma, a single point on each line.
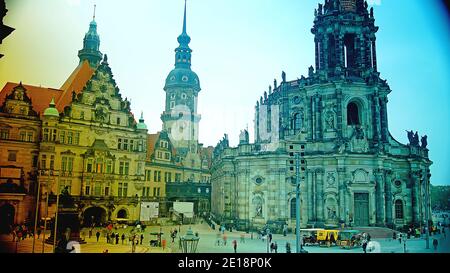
[208, 243]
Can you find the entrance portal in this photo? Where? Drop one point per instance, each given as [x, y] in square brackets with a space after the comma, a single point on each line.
[94, 216]
[361, 209]
[7, 212]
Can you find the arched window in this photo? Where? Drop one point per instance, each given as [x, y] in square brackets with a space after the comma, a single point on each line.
[293, 208]
[297, 122]
[353, 114]
[122, 214]
[399, 209]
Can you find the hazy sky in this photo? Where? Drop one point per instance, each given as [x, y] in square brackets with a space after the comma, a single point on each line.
[239, 48]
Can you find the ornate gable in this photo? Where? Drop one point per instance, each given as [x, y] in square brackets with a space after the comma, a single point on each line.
[18, 102]
[102, 95]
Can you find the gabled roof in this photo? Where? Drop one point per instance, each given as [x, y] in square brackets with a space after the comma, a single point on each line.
[151, 142]
[42, 96]
[77, 80]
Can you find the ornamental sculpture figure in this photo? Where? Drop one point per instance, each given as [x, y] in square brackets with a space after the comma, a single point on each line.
[424, 141]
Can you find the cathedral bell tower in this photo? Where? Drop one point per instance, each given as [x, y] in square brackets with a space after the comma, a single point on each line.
[180, 118]
[345, 39]
[91, 45]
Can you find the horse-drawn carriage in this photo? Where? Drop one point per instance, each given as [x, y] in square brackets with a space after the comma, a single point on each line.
[309, 236]
[349, 238]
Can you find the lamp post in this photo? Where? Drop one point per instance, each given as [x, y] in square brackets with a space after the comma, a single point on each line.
[189, 242]
[36, 214]
[297, 202]
[56, 214]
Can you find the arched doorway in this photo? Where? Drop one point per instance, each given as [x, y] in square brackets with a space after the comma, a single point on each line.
[94, 216]
[122, 214]
[7, 213]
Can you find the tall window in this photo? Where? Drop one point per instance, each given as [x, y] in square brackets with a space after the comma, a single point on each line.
[157, 176]
[293, 208]
[44, 162]
[119, 144]
[127, 168]
[167, 177]
[89, 166]
[121, 167]
[87, 188]
[76, 138]
[69, 138]
[97, 189]
[353, 114]
[123, 189]
[4, 134]
[23, 136]
[125, 144]
[178, 177]
[399, 209]
[62, 137]
[64, 163]
[45, 134]
[109, 166]
[297, 122]
[30, 136]
[52, 162]
[147, 175]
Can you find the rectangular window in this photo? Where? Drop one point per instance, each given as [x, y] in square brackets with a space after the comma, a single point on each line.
[44, 162]
[89, 166]
[54, 135]
[121, 167]
[70, 164]
[131, 145]
[64, 163]
[23, 136]
[87, 189]
[139, 169]
[62, 137]
[35, 161]
[159, 155]
[140, 146]
[30, 137]
[69, 138]
[147, 175]
[125, 144]
[167, 156]
[118, 121]
[157, 176]
[119, 144]
[154, 191]
[76, 139]
[109, 166]
[52, 162]
[45, 135]
[123, 190]
[99, 165]
[127, 168]
[82, 115]
[167, 177]
[4, 134]
[12, 155]
[177, 177]
[107, 190]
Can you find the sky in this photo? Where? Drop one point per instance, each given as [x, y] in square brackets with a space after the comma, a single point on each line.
[239, 47]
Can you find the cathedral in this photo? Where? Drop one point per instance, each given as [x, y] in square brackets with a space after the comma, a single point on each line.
[352, 170]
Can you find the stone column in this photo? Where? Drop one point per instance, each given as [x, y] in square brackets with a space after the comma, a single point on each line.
[313, 117]
[319, 182]
[377, 120]
[384, 119]
[318, 119]
[374, 54]
[339, 112]
[310, 194]
[415, 182]
[341, 188]
[317, 48]
[388, 192]
[380, 198]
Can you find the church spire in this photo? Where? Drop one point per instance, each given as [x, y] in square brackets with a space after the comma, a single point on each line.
[183, 52]
[91, 45]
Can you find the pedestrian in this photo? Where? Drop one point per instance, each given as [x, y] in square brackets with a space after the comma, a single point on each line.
[275, 247]
[435, 244]
[270, 237]
[235, 245]
[394, 235]
[142, 238]
[164, 244]
[123, 237]
[117, 238]
[251, 235]
[90, 233]
[218, 237]
[288, 247]
[272, 247]
[107, 238]
[364, 246]
[443, 233]
[224, 240]
[400, 238]
[243, 238]
[39, 232]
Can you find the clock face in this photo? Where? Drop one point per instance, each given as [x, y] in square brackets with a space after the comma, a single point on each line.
[297, 100]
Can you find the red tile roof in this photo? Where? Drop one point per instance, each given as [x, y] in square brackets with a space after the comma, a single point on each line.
[42, 96]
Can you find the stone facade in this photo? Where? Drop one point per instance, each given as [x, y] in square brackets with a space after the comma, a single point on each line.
[352, 169]
[19, 149]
